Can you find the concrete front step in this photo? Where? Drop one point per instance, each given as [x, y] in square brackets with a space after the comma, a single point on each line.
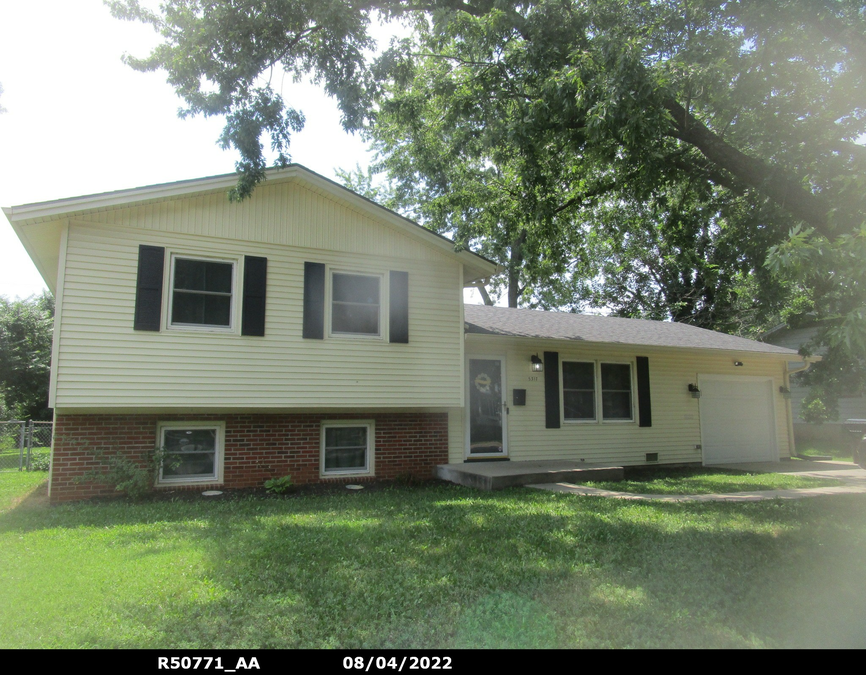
[498, 475]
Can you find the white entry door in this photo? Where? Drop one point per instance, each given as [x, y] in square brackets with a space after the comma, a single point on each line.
[738, 421]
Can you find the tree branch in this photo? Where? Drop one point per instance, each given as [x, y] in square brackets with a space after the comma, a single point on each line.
[784, 190]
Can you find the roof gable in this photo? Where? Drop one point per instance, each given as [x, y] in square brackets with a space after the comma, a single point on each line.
[38, 225]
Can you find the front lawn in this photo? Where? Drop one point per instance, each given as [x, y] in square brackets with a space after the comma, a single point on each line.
[430, 567]
[819, 447]
[700, 481]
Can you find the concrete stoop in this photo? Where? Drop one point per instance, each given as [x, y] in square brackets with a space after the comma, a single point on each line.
[499, 475]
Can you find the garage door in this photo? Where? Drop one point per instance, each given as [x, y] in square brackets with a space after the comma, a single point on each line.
[737, 420]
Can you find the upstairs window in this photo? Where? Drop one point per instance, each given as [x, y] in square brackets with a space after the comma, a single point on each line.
[201, 292]
[355, 304]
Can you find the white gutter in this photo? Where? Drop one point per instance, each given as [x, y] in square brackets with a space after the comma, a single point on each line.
[807, 363]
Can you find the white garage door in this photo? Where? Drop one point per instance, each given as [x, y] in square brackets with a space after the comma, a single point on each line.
[737, 420]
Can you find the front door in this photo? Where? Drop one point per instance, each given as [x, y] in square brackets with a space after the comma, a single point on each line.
[486, 407]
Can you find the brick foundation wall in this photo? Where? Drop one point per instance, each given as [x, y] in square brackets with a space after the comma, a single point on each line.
[256, 447]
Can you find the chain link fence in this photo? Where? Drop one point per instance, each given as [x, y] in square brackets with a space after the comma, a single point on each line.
[25, 446]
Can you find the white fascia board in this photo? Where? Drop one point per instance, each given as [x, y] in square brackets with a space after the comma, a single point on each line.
[46, 269]
[65, 207]
[478, 267]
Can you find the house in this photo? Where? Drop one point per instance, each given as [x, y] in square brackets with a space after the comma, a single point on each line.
[308, 331]
[852, 405]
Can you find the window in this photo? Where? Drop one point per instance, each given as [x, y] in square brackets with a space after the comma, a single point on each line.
[192, 453]
[616, 391]
[201, 292]
[347, 448]
[355, 304]
[580, 396]
[578, 390]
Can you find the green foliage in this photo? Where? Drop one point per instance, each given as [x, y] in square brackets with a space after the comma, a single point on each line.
[40, 461]
[690, 160]
[818, 407]
[134, 476]
[278, 486]
[26, 334]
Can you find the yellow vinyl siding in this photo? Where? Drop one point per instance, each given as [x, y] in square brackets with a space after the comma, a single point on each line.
[675, 427]
[287, 214]
[104, 363]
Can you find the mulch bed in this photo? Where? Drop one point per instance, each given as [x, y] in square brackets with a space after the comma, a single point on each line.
[311, 489]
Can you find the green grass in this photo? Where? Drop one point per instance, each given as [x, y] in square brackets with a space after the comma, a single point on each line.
[430, 567]
[698, 481]
[9, 457]
[824, 447]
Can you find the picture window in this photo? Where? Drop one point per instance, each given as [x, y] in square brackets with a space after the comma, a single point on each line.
[582, 397]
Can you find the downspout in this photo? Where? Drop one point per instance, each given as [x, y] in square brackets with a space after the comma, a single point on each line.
[807, 363]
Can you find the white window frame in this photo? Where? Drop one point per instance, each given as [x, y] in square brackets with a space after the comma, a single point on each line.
[383, 328]
[599, 392]
[219, 454]
[233, 304]
[631, 371]
[369, 469]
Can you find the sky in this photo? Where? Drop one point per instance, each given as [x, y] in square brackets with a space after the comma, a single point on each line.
[78, 121]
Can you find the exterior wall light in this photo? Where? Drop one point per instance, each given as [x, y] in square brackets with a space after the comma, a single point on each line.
[738, 364]
[694, 391]
[537, 364]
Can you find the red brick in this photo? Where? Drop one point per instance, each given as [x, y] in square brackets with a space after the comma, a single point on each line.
[256, 447]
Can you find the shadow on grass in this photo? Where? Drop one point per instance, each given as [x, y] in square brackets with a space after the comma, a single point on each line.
[449, 567]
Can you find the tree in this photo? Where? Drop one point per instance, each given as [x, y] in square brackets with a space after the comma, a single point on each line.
[26, 333]
[729, 125]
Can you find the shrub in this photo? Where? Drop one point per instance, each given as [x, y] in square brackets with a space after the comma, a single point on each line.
[126, 474]
[40, 462]
[278, 486]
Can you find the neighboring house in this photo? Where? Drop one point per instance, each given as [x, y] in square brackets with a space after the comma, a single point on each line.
[850, 407]
[310, 332]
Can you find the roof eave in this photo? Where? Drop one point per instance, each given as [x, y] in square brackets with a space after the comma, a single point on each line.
[582, 342]
[476, 267]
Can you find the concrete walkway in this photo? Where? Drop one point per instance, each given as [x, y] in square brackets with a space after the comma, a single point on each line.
[851, 477]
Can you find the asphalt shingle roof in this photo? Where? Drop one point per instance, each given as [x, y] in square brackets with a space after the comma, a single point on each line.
[485, 320]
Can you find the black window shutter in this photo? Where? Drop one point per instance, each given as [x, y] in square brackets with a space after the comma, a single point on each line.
[148, 288]
[644, 407]
[551, 390]
[314, 301]
[255, 293]
[398, 319]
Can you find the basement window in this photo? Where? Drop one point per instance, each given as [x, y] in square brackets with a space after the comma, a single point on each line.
[347, 448]
[192, 453]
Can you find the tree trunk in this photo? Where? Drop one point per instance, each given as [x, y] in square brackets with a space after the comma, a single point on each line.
[515, 265]
[485, 296]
